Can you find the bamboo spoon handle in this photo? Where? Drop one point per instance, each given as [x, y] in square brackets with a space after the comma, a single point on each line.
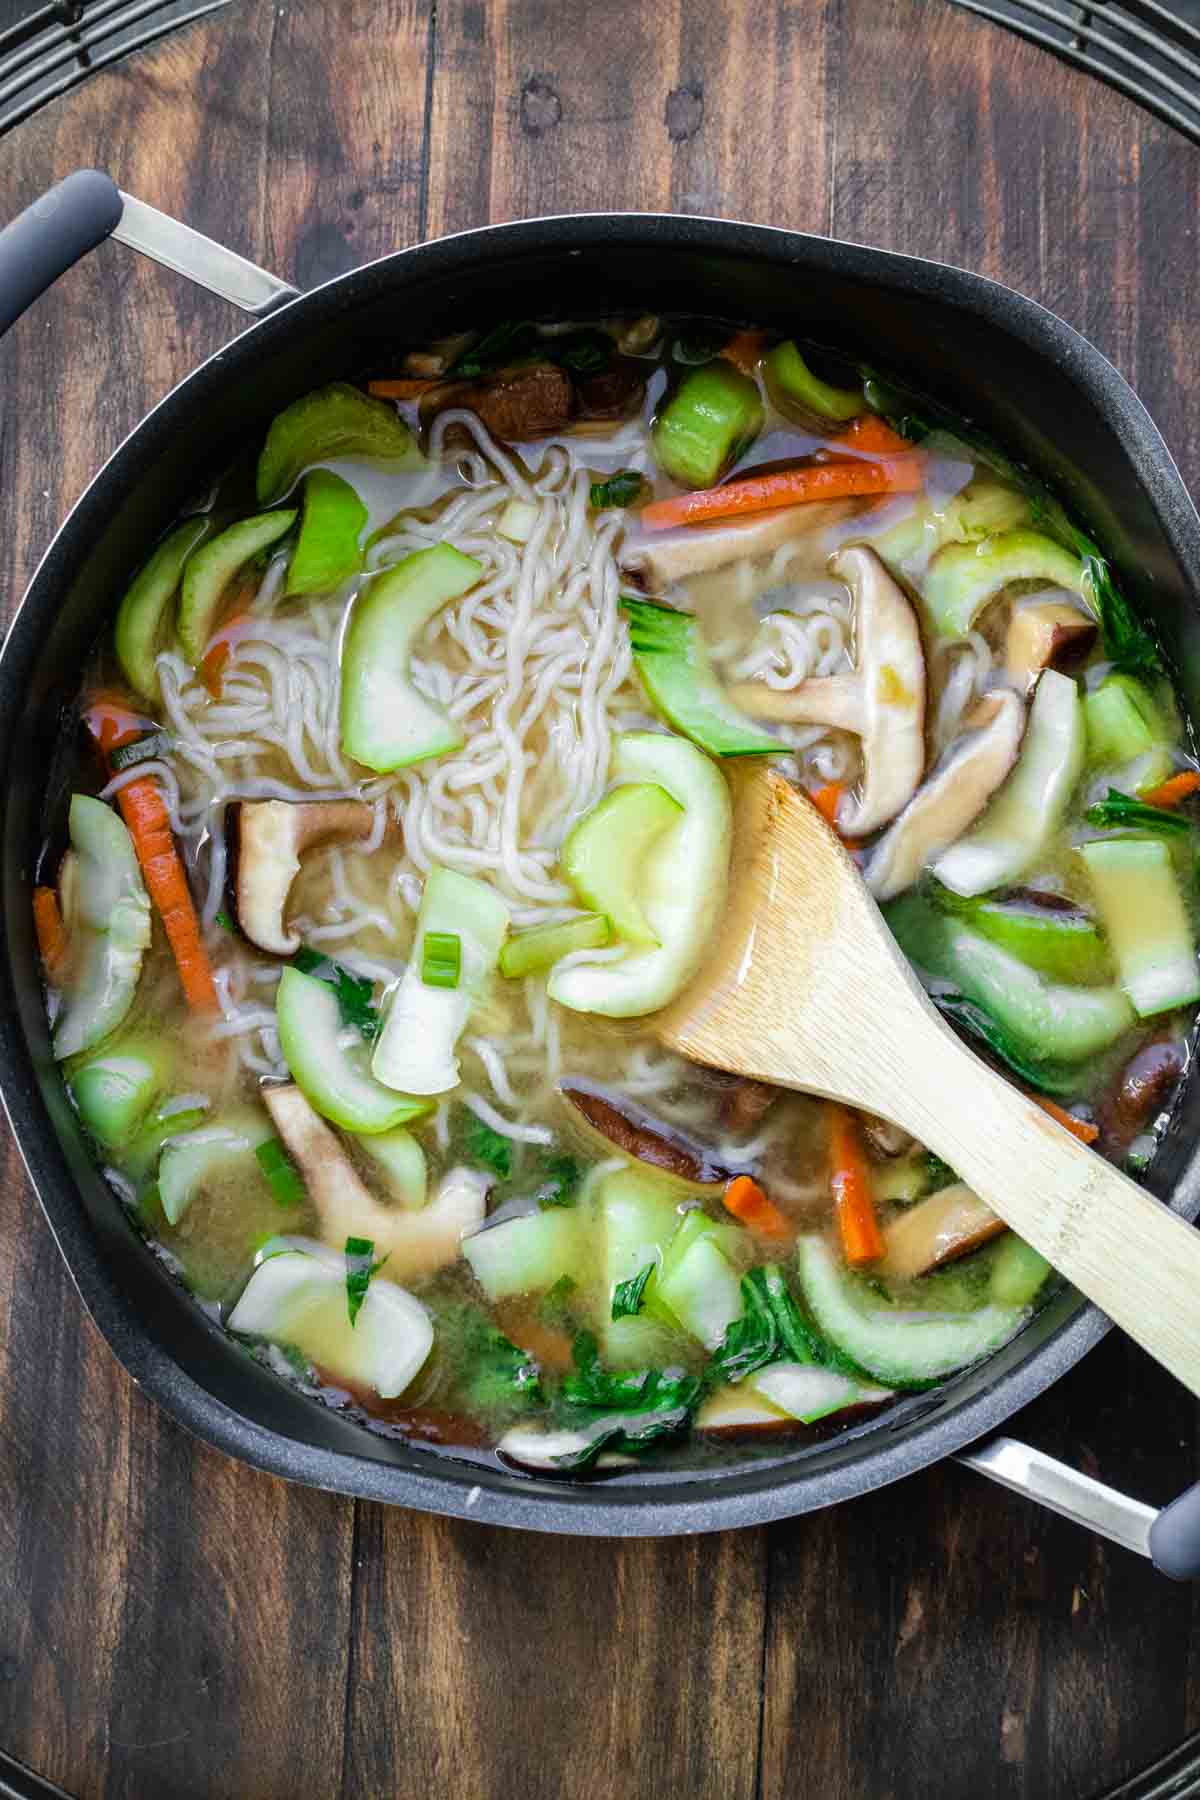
[1128, 1252]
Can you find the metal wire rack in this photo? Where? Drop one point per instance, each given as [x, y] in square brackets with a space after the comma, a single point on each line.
[56, 46]
[1148, 49]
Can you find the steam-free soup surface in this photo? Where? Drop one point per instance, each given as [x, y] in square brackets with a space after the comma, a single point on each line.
[403, 798]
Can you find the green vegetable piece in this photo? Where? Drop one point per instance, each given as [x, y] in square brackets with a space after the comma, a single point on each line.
[963, 578]
[115, 1090]
[332, 518]
[504, 343]
[332, 421]
[627, 1295]
[441, 959]
[111, 930]
[489, 1147]
[711, 420]
[193, 1158]
[625, 488]
[354, 992]
[141, 1154]
[401, 1159]
[603, 855]
[1122, 720]
[286, 1183]
[211, 569]
[360, 1267]
[386, 723]
[559, 1184]
[142, 749]
[529, 1254]
[622, 1410]
[495, 1375]
[701, 1290]
[330, 1078]
[792, 385]
[1018, 1272]
[1145, 920]
[141, 628]
[1066, 946]
[1121, 812]
[528, 952]
[1046, 1023]
[678, 675]
[902, 1348]
[223, 920]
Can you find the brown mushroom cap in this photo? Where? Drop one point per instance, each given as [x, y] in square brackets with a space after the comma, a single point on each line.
[953, 797]
[882, 702]
[936, 1231]
[267, 838]
[738, 1415]
[613, 1122]
[1046, 631]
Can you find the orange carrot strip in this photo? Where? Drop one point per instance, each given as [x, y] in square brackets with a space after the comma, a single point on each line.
[785, 487]
[1172, 791]
[52, 938]
[870, 435]
[747, 1202]
[744, 350]
[827, 799]
[220, 648]
[854, 1204]
[404, 387]
[144, 811]
[110, 721]
[1087, 1134]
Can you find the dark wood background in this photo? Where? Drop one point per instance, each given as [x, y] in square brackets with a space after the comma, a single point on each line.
[173, 1625]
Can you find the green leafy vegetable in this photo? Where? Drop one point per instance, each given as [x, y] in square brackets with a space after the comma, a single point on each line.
[1118, 811]
[627, 1410]
[699, 344]
[584, 352]
[502, 344]
[489, 1147]
[353, 991]
[142, 749]
[772, 1329]
[555, 1308]
[560, 1182]
[360, 1266]
[939, 1173]
[625, 488]
[224, 921]
[627, 1295]
[286, 1183]
[441, 959]
[1047, 1077]
[497, 1375]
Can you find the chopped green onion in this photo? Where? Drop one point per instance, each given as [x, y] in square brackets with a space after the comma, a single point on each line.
[628, 1295]
[286, 1183]
[360, 1266]
[224, 921]
[441, 959]
[142, 749]
[624, 488]
[1118, 811]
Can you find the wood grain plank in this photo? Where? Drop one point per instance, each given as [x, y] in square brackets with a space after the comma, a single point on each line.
[495, 1663]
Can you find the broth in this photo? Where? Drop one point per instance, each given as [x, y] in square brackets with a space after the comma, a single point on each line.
[420, 733]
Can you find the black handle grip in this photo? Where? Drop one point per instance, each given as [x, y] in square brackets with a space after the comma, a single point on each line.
[44, 240]
[1175, 1537]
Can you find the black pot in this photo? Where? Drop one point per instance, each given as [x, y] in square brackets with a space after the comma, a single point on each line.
[986, 351]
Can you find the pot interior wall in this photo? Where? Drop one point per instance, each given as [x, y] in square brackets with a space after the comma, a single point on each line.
[1039, 398]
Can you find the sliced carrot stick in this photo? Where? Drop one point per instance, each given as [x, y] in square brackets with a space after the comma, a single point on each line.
[144, 811]
[220, 649]
[785, 487]
[850, 1177]
[110, 720]
[52, 938]
[545, 1343]
[870, 435]
[1172, 791]
[404, 387]
[744, 350]
[1080, 1128]
[827, 799]
[747, 1202]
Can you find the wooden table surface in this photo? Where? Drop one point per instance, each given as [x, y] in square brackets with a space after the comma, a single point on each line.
[173, 1625]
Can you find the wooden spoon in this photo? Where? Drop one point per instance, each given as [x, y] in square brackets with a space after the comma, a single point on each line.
[807, 988]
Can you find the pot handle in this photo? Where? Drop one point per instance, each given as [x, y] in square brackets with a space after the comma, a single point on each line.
[1170, 1538]
[52, 234]
[55, 231]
